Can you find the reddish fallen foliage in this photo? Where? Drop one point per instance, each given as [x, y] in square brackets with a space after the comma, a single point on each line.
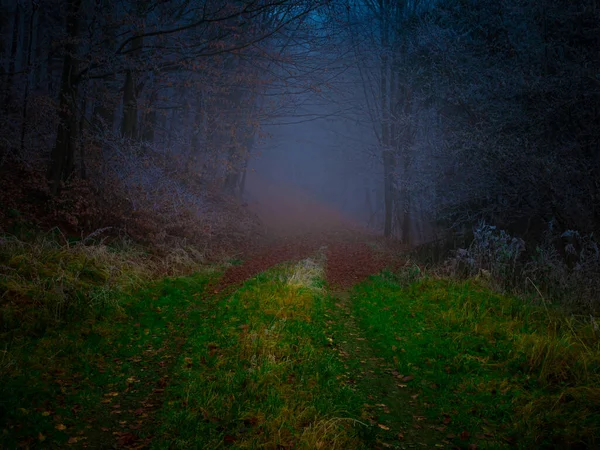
[271, 255]
[349, 259]
[302, 225]
[349, 263]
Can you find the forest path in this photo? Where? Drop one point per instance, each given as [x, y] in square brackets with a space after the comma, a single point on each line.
[294, 348]
[125, 381]
[391, 408]
[352, 255]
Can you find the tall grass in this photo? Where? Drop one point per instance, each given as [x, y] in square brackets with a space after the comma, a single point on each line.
[46, 280]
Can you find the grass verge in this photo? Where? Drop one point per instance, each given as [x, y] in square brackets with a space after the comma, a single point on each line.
[47, 281]
[491, 371]
[97, 383]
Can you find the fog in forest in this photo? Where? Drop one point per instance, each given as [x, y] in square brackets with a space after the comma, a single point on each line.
[300, 224]
[416, 120]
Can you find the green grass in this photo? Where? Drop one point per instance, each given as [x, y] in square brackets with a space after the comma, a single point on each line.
[177, 367]
[260, 372]
[400, 361]
[96, 382]
[47, 281]
[490, 369]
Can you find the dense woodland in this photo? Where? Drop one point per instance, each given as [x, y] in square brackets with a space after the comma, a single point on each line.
[142, 116]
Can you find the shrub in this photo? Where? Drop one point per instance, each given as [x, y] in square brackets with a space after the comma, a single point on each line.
[563, 267]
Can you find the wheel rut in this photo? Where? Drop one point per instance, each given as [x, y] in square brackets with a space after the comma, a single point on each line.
[392, 408]
[352, 257]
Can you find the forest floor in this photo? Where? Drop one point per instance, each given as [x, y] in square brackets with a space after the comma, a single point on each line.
[310, 344]
[323, 337]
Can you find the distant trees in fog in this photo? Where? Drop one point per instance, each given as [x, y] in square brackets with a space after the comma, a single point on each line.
[480, 109]
[82, 80]
[484, 110]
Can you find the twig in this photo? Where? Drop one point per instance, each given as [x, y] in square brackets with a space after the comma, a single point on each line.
[95, 233]
[541, 296]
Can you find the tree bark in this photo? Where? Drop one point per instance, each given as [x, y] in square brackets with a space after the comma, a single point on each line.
[13, 55]
[62, 161]
[130, 93]
[103, 114]
[387, 154]
[28, 76]
[249, 146]
[129, 124]
[406, 143]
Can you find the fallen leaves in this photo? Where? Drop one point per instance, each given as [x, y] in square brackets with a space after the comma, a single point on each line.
[125, 438]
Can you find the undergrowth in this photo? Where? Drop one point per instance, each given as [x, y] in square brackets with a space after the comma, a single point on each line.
[492, 369]
[560, 267]
[47, 280]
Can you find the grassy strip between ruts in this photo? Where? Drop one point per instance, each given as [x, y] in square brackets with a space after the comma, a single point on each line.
[98, 382]
[259, 372]
[491, 370]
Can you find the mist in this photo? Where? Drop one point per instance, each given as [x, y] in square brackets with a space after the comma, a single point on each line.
[299, 224]
[420, 121]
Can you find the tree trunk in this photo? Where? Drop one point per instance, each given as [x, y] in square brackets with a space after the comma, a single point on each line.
[232, 174]
[104, 110]
[406, 148]
[149, 129]
[129, 124]
[80, 131]
[368, 205]
[13, 55]
[198, 126]
[249, 146]
[170, 126]
[130, 93]
[37, 54]
[62, 159]
[388, 191]
[387, 154]
[28, 76]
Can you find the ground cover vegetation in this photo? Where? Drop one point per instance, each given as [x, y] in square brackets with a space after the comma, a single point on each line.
[287, 361]
[144, 305]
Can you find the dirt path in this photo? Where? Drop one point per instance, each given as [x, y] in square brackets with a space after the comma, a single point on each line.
[351, 258]
[299, 225]
[352, 255]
